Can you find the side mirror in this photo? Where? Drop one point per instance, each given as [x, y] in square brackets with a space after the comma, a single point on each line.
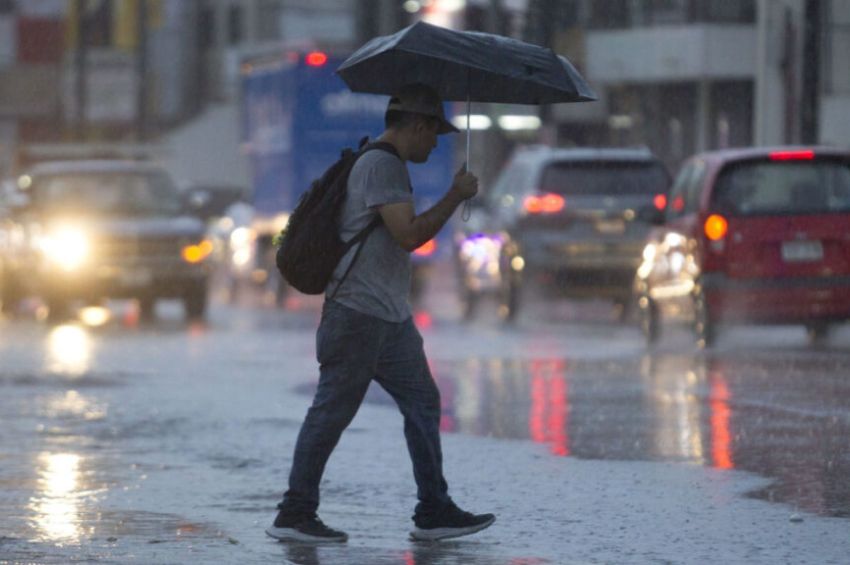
[195, 201]
[651, 215]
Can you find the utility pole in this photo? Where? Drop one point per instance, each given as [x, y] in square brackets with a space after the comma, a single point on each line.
[540, 29]
[810, 91]
[141, 70]
[80, 64]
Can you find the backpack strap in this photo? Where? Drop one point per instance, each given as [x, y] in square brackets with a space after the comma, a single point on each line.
[361, 236]
[364, 233]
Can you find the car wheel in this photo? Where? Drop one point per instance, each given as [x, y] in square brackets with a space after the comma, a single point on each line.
[623, 309]
[650, 321]
[817, 333]
[195, 302]
[10, 297]
[147, 308]
[281, 291]
[57, 309]
[704, 325]
[509, 299]
[469, 302]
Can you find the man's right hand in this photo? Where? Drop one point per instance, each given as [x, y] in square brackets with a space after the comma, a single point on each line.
[465, 184]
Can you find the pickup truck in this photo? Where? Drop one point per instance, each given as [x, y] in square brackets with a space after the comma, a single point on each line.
[88, 230]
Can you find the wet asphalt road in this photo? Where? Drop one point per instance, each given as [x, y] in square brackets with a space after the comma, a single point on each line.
[93, 411]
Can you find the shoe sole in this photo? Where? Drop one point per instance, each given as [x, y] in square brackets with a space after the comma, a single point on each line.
[437, 534]
[291, 534]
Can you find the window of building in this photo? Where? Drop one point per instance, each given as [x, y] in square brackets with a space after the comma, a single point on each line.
[724, 11]
[661, 12]
[234, 24]
[609, 14]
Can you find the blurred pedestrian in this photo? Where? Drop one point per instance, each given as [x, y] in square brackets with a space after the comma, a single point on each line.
[367, 332]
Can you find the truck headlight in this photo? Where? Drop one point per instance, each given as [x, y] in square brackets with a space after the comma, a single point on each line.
[197, 252]
[66, 246]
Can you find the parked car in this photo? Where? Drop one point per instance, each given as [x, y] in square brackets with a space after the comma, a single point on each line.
[89, 230]
[569, 220]
[751, 235]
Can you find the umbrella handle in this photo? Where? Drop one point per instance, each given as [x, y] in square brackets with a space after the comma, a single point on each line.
[467, 212]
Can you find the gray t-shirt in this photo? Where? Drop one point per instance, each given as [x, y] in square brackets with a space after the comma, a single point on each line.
[379, 282]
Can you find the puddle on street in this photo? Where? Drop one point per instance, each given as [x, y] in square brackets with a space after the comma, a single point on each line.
[781, 418]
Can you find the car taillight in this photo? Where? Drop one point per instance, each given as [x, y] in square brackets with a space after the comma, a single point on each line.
[316, 59]
[548, 203]
[426, 249]
[804, 155]
[660, 201]
[715, 227]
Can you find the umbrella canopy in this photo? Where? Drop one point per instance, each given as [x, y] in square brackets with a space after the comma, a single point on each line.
[464, 66]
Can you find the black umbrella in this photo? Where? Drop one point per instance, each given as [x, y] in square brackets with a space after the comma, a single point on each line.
[464, 65]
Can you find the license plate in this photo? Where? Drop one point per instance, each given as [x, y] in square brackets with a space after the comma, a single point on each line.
[802, 251]
[616, 226]
[136, 277]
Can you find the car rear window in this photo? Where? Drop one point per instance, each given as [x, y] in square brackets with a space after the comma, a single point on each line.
[134, 194]
[784, 187]
[610, 178]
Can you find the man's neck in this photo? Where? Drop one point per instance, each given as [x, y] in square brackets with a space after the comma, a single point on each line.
[397, 141]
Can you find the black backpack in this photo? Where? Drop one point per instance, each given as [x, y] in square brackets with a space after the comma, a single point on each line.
[309, 248]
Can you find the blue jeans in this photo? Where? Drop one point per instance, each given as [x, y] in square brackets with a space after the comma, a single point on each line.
[352, 350]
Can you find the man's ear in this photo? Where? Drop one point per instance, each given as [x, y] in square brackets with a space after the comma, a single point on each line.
[426, 124]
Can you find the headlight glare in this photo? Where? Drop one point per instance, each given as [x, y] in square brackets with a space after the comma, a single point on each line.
[67, 246]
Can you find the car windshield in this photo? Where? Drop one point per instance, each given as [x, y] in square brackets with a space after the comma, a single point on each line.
[784, 187]
[608, 178]
[126, 193]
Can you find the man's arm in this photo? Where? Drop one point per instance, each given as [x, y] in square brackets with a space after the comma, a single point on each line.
[410, 230]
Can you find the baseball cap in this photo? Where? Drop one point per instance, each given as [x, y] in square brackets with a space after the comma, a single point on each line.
[421, 99]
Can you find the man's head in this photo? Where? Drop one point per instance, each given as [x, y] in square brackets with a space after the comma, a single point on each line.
[417, 111]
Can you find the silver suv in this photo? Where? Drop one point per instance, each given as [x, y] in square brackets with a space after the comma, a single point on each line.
[572, 220]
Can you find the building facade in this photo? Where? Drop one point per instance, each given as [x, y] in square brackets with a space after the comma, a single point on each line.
[683, 76]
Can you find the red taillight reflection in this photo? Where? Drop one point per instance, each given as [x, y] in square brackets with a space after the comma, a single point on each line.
[548, 420]
[721, 415]
[426, 249]
[715, 227]
[316, 59]
[660, 201]
[805, 155]
[548, 203]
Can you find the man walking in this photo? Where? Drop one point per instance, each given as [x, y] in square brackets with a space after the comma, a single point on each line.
[367, 332]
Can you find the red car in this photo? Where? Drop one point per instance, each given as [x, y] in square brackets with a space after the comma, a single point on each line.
[757, 235]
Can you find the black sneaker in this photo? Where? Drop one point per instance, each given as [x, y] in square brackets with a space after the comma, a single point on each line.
[452, 522]
[304, 528]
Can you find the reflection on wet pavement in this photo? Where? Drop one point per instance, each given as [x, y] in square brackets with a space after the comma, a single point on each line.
[56, 507]
[784, 418]
[444, 553]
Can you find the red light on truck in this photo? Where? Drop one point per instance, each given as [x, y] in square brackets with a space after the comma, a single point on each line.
[715, 227]
[426, 249]
[316, 59]
[792, 155]
[660, 201]
[544, 204]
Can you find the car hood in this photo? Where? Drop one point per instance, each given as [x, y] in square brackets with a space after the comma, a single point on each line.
[154, 227]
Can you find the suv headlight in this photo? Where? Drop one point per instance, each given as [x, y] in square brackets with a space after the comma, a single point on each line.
[66, 246]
